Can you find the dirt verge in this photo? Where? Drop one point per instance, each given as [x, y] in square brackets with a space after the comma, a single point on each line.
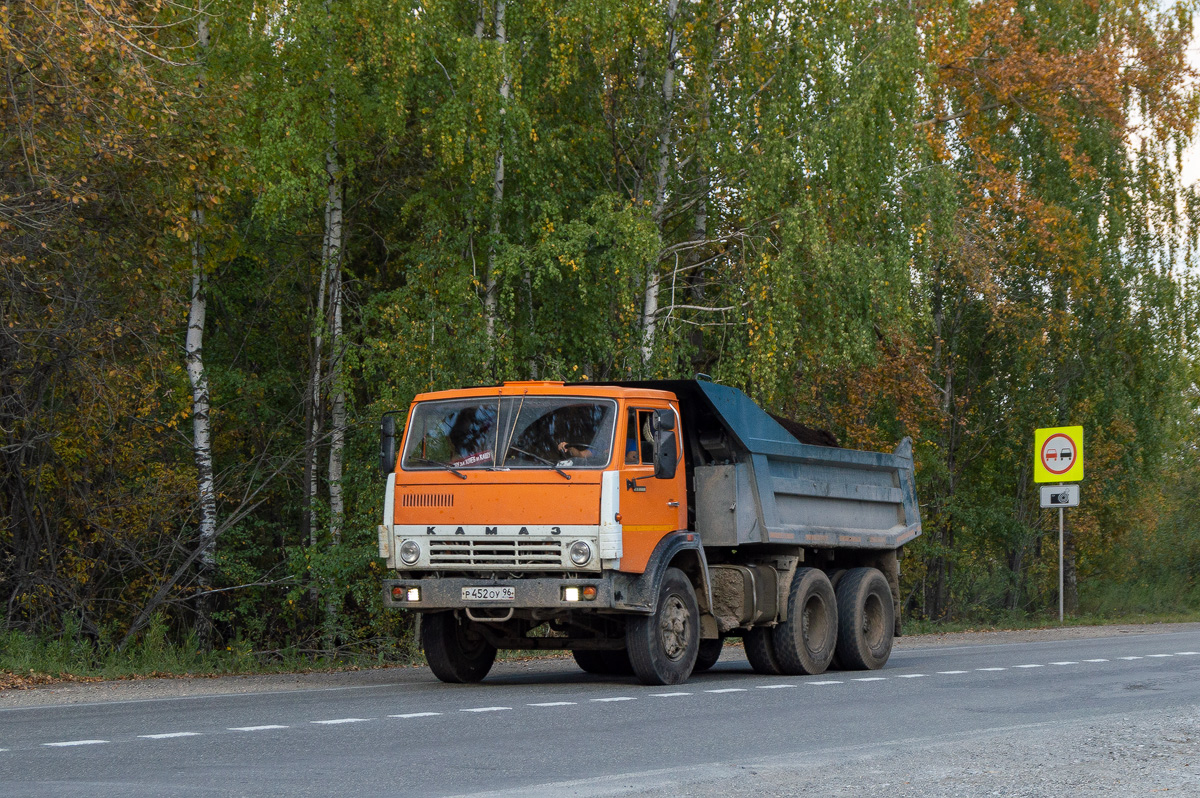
[17, 690]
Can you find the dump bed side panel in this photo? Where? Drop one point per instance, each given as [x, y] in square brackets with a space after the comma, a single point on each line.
[755, 483]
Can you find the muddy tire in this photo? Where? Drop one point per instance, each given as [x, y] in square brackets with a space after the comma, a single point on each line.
[805, 642]
[760, 650]
[866, 620]
[662, 646]
[708, 654]
[604, 663]
[456, 653]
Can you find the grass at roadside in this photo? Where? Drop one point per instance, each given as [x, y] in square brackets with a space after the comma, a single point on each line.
[1169, 598]
[1012, 623]
[27, 661]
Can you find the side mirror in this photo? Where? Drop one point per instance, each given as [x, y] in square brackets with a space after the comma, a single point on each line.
[664, 420]
[666, 458]
[387, 443]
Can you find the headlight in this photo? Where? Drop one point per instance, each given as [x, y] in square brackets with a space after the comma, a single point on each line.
[410, 552]
[581, 552]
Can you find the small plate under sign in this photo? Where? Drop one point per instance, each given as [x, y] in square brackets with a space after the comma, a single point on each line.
[489, 593]
[1060, 495]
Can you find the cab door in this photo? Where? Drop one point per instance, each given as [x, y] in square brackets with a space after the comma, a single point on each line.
[650, 508]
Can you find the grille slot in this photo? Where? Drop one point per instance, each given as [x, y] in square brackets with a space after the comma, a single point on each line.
[496, 551]
[427, 500]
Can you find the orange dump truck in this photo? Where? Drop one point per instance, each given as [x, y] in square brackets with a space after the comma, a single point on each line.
[643, 523]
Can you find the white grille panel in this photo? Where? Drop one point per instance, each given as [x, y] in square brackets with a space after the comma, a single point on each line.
[495, 551]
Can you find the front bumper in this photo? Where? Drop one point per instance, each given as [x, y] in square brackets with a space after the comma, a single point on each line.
[534, 593]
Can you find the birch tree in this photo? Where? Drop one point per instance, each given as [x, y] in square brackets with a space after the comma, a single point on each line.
[206, 538]
[662, 175]
[331, 261]
[500, 38]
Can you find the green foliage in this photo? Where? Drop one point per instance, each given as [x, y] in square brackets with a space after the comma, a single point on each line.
[955, 221]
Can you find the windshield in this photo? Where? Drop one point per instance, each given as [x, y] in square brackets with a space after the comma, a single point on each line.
[510, 432]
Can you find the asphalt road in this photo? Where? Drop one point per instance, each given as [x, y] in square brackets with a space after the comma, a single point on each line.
[553, 730]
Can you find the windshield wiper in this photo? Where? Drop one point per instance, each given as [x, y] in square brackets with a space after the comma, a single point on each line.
[540, 460]
[440, 464]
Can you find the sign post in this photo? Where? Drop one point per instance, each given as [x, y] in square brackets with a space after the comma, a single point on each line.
[1058, 457]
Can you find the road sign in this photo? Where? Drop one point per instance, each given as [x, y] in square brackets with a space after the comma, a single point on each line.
[1060, 495]
[1058, 454]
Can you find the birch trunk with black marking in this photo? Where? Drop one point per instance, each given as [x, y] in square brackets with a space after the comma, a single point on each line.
[314, 414]
[331, 260]
[661, 177]
[491, 287]
[206, 538]
[331, 255]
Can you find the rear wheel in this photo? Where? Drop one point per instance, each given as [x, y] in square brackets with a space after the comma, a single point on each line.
[835, 576]
[805, 642]
[456, 653]
[604, 663]
[760, 650]
[866, 619]
[708, 654]
[662, 646]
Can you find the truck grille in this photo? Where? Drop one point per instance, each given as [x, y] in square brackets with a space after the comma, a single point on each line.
[496, 551]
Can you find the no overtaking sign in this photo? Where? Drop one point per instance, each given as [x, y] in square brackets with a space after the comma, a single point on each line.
[1058, 454]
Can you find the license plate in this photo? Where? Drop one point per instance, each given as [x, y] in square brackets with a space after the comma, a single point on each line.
[489, 593]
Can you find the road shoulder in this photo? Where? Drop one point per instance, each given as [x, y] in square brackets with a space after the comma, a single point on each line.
[75, 693]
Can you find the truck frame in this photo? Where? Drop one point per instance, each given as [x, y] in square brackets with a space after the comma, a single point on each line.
[638, 525]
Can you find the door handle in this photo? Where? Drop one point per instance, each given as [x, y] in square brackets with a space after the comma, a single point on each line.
[672, 504]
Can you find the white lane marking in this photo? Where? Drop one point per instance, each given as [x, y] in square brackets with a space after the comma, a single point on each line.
[66, 743]
[828, 682]
[416, 715]
[1066, 662]
[1186, 653]
[873, 679]
[1129, 658]
[728, 690]
[1095, 660]
[774, 686]
[555, 704]
[255, 728]
[950, 673]
[168, 735]
[614, 698]
[485, 709]
[911, 676]
[667, 695]
[337, 721]
[1031, 666]
[1160, 655]
[991, 669]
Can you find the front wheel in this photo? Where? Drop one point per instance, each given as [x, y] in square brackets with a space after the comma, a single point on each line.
[662, 646]
[456, 653]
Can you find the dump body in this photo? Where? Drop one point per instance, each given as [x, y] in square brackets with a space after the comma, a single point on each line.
[753, 482]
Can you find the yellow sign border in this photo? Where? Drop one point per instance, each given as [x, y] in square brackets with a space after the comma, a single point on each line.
[1040, 472]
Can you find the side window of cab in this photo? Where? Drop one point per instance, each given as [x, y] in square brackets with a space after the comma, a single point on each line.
[639, 436]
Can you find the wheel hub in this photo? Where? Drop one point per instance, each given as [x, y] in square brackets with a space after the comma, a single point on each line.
[872, 622]
[673, 628]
